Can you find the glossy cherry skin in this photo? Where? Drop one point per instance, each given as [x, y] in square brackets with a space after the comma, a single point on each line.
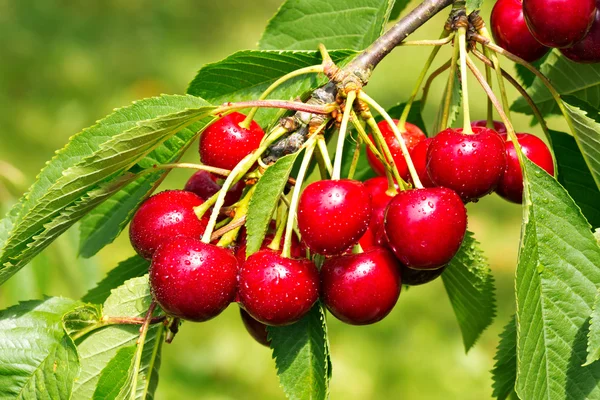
[276, 290]
[412, 137]
[425, 227]
[333, 215]
[587, 50]
[163, 216]
[510, 31]
[361, 289]
[193, 280]
[471, 165]
[482, 123]
[204, 184]
[256, 329]
[416, 277]
[225, 143]
[419, 158]
[511, 184]
[559, 23]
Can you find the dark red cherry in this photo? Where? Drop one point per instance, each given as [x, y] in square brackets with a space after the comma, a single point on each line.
[205, 184]
[510, 31]
[333, 215]
[361, 289]
[587, 50]
[224, 143]
[471, 165]
[419, 158]
[425, 227]
[256, 329]
[498, 125]
[511, 184]
[276, 290]
[412, 137]
[559, 23]
[415, 277]
[193, 280]
[163, 216]
[380, 198]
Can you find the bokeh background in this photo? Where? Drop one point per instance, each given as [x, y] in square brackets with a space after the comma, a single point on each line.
[66, 63]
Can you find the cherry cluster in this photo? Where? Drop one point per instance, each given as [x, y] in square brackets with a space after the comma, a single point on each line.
[529, 28]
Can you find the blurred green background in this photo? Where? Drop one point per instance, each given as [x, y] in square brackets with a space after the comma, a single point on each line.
[67, 63]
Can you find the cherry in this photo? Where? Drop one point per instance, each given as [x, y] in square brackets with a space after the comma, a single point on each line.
[333, 215]
[559, 23]
[586, 50]
[225, 143]
[498, 125]
[415, 277]
[419, 158]
[276, 290]
[425, 227]
[163, 216]
[378, 189]
[193, 280]
[412, 137]
[361, 289]
[206, 184]
[471, 165]
[511, 184]
[256, 329]
[297, 249]
[510, 31]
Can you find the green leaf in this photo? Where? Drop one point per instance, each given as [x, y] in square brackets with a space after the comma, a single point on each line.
[556, 285]
[504, 373]
[131, 268]
[98, 348]
[399, 6]
[301, 353]
[470, 286]
[81, 317]
[473, 5]
[593, 349]
[338, 24]
[363, 168]
[37, 359]
[115, 374]
[265, 199]
[526, 77]
[575, 176]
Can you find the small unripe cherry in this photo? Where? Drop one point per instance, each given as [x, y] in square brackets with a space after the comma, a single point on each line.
[256, 329]
[205, 185]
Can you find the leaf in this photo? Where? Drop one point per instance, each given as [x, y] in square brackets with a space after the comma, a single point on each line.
[526, 77]
[115, 374]
[80, 318]
[574, 175]
[264, 201]
[98, 348]
[338, 24]
[473, 5]
[414, 115]
[131, 268]
[301, 353]
[399, 6]
[504, 373]
[470, 286]
[37, 359]
[557, 274]
[363, 168]
[593, 347]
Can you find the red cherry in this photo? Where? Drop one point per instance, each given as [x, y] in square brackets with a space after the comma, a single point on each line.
[559, 23]
[333, 215]
[225, 143]
[425, 227]
[276, 290]
[419, 158]
[204, 184]
[297, 249]
[163, 216]
[471, 165]
[510, 31]
[193, 280]
[256, 329]
[586, 50]
[378, 189]
[361, 289]
[412, 137]
[498, 125]
[511, 184]
[415, 277]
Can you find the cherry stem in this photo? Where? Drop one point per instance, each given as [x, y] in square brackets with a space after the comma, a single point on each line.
[355, 157]
[302, 71]
[484, 32]
[411, 167]
[241, 210]
[276, 242]
[199, 167]
[449, 87]
[140, 348]
[234, 224]
[430, 80]
[288, 105]
[445, 39]
[106, 321]
[462, 44]
[490, 106]
[324, 153]
[337, 163]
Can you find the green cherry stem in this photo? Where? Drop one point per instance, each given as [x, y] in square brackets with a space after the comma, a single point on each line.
[281, 223]
[355, 157]
[140, 348]
[284, 104]
[449, 87]
[462, 43]
[324, 156]
[199, 167]
[337, 163]
[241, 210]
[430, 80]
[445, 39]
[496, 63]
[490, 105]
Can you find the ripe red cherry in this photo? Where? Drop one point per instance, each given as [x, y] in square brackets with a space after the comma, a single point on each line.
[498, 125]
[333, 215]
[193, 280]
[511, 184]
[415, 277]
[378, 189]
[363, 288]
[471, 165]
[425, 227]
[412, 137]
[559, 23]
[511, 33]
[163, 216]
[204, 184]
[224, 143]
[276, 290]
[256, 329]
[586, 50]
[419, 158]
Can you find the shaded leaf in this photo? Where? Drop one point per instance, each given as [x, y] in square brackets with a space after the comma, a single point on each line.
[593, 348]
[399, 6]
[504, 373]
[115, 374]
[473, 5]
